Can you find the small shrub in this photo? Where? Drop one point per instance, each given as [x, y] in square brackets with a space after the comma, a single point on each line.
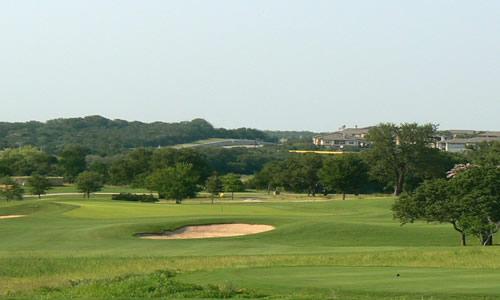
[134, 197]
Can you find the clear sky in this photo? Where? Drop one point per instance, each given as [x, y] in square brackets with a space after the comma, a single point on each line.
[268, 64]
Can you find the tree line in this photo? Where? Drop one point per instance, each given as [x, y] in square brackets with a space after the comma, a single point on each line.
[143, 167]
[400, 159]
[106, 137]
[130, 167]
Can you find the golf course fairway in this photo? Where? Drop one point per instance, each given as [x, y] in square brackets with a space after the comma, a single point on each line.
[68, 247]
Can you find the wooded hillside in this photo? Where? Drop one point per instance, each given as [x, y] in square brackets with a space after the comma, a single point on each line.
[104, 136]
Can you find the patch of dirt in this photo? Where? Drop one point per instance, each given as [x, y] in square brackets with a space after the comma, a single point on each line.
[12, 216]
[208, 231]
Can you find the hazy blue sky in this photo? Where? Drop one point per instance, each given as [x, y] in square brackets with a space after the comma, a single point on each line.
[267, 64]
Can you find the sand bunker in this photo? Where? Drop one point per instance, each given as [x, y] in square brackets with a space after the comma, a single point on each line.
[12, 216]
[208, 231]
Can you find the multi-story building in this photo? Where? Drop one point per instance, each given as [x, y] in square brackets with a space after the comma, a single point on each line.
[450, 140]
[461, 140]
[345, 137]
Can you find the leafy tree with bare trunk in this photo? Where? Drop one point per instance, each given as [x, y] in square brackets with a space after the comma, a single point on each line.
[89, 182]
[344, 174]
[232, 183]
[397, 151]
[178, 182]
[470, 201]
[39, 185]
[214, 186]
[433, 201]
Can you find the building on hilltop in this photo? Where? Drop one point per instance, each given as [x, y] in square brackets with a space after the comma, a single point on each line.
[344, 138]
[449, 140]
[456, 144]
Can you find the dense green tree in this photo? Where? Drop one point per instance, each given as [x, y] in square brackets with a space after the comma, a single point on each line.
[311, 164]
[72, 160]
[232, 183]
[292, 175]
[89, 182]
[25, 161]
[433, 201]
[344, 174]
[242, 160]
[214, 186]
[271, 177]
[485, 154]
[38, 185]
[397, 151]
[10, 189]
[121, 172]
[168, 157]
[298, 173]
[178, 182]
[479, 190]
[101, 167]
[4, 169]
[131, 168]
[433, 165]
[470, 201]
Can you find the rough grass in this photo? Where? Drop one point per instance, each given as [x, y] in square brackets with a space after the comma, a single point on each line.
[158, 285]
[69, 239]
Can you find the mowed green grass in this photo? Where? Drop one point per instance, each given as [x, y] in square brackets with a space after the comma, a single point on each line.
[349, 249]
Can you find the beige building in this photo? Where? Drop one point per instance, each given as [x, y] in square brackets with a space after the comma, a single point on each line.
[345, 137]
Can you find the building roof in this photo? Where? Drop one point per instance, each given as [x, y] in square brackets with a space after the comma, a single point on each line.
[490, 134]
[473, 140]
[461, 131]
[356, 130]
[345, 134]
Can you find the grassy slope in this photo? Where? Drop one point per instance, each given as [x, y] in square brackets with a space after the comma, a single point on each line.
[349, 248]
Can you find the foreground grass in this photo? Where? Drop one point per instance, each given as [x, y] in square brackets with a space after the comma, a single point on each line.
[158, 285]
[359, 281]
[67, 239]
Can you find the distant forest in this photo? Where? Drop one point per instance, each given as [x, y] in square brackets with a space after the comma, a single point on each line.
[107, 137]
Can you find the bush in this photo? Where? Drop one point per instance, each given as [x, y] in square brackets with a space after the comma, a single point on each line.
[134, 197]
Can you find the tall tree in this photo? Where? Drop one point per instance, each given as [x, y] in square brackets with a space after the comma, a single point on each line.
[39, 185]
[232, 183]
[72, 160]
[398, 150]
[272, 176]
[178, 182]
[214, 185]
[344, 174]
[89, 182]
[131, 168]
[311, 164]
[168, 157]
